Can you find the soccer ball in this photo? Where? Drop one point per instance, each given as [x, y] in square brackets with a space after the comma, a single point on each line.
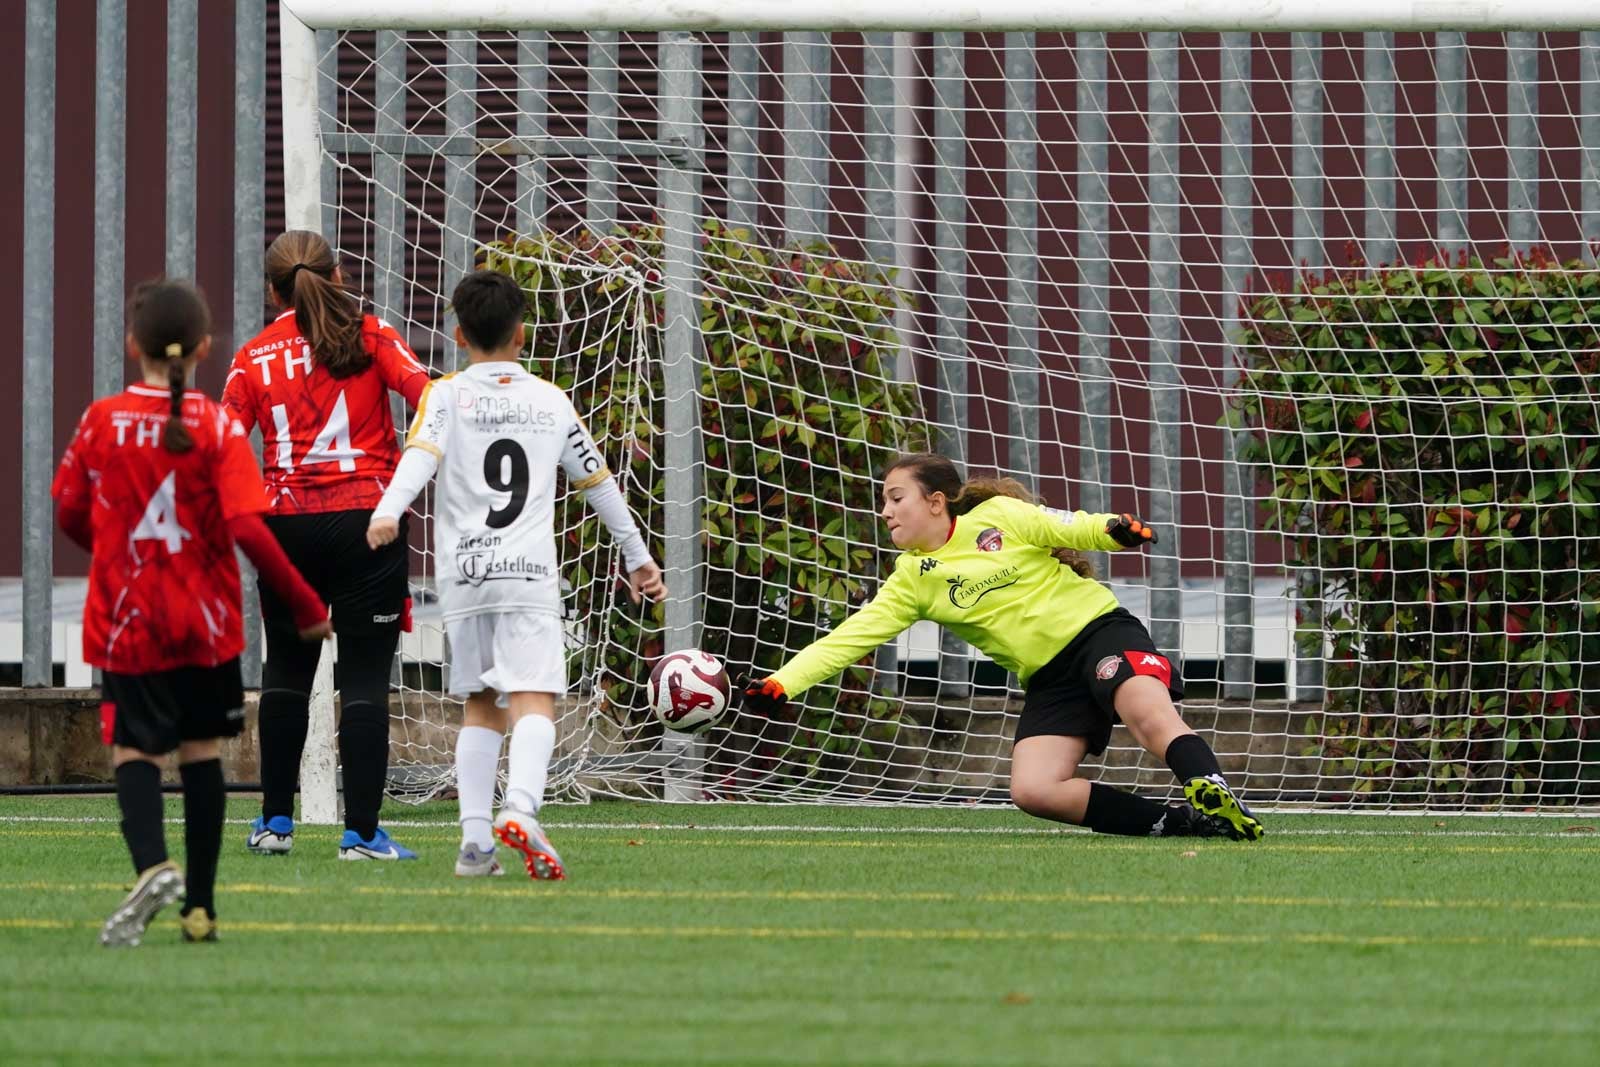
[689, 691]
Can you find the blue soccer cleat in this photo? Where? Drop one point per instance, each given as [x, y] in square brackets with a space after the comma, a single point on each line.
[380, 846]
[271, 837]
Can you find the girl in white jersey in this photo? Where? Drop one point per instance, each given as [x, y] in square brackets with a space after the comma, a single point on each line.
[496, 435]
[989, 567]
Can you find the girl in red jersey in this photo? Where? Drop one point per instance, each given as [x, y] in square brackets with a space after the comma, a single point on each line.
[159, 485]
[317, 382]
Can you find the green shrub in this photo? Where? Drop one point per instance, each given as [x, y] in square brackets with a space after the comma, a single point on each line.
[1430, 436]
[800, 411]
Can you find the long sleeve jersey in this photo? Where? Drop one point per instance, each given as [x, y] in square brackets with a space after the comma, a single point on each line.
[994, 584]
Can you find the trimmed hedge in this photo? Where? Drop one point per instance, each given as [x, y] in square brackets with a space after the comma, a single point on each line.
[1429, 437]
[800, 411]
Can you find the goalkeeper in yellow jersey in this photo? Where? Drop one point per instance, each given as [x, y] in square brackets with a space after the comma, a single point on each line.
[986, 563]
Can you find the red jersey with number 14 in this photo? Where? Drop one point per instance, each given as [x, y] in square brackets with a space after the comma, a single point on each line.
[329, 443]
[163, 582]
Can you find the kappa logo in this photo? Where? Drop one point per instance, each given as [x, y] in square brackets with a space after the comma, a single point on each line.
[1149, 663]
[928, 565]
[1107, 668]
[991, 540]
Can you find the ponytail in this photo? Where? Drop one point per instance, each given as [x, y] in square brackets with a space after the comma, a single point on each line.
[300, 269]
[936, 474]
[168, 321]
[176, 436]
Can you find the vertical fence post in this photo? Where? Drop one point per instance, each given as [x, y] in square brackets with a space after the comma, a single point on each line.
[38, 335]
[1238, 196]
[533, 124]
[744, 112]
[805, 125]
[1450, 136]
[1377, 82]
[1589, 133]
[1522, 140]
[110, 192]
[604, 60]
[183, 34]
[249, 231]
[1308, 254]
[388, 172]
[1164, 280]
[679, 202]
[950, 297]
[460, 182]
[877, 88]
[1094, 281]
[1022, 256]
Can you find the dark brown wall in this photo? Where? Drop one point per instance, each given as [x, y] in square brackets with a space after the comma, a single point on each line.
[1203, 354]
[144, 238]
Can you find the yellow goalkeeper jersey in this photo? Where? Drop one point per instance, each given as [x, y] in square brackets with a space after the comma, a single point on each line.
[994, 584]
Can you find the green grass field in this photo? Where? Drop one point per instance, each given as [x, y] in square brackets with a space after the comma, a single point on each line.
[801, 935]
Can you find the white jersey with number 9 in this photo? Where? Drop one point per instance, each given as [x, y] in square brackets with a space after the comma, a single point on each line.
[499, 434]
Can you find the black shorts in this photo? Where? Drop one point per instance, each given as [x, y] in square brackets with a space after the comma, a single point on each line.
[1071, 696]
[153, 712]
[365, 589]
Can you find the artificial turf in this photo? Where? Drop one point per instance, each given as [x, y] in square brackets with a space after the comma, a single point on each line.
[814, 935]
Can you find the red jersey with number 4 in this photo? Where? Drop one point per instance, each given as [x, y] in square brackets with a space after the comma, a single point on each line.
[163, 582]
[329, 443]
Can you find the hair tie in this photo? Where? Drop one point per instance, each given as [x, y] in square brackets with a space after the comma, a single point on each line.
[296, 269]
[174, 350]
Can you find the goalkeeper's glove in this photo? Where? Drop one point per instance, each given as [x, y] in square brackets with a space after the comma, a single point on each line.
[1129, 532]
[764, 696]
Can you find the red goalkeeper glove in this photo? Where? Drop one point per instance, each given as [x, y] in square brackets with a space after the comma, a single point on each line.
[1129, 532]
[764, 696]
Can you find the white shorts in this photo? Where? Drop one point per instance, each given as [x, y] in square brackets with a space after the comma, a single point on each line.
[510, 652]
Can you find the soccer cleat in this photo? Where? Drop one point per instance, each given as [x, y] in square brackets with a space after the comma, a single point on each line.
[1211, 796]
[198, 925]
[271, 837]
[155, 889]
[380, 846]
[475, 862]
[1184, 820]
[519, 830]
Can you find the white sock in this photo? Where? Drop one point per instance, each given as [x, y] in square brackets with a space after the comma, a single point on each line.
[477, 766]
[532, 741]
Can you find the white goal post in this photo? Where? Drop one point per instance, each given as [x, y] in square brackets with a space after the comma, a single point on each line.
[770, 244]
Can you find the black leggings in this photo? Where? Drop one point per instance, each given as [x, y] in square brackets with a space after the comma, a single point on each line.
[365, 663]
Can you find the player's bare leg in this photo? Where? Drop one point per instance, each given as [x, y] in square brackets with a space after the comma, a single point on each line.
[1146, 708]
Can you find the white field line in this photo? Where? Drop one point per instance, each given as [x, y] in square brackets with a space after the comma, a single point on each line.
[1020, 831]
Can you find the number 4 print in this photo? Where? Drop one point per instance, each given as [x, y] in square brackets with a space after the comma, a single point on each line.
[331, 446]
[160, 519]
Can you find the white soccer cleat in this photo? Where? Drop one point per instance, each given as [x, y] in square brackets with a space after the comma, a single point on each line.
[475, 862]
[155, 889]
[519, 830]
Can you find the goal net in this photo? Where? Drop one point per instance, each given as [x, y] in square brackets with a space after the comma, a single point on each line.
[1319, 306]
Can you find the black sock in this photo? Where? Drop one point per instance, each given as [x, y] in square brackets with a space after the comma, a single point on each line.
[365, 662]
[1111, 811]
[282, 720]
[203, 801]
[364, 759]
[139, 796]
[1190, 757]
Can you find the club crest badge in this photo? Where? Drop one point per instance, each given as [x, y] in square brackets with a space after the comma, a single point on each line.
[1107, 668]
[990, 540]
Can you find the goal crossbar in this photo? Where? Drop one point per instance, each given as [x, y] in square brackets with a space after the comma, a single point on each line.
[949, 15]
